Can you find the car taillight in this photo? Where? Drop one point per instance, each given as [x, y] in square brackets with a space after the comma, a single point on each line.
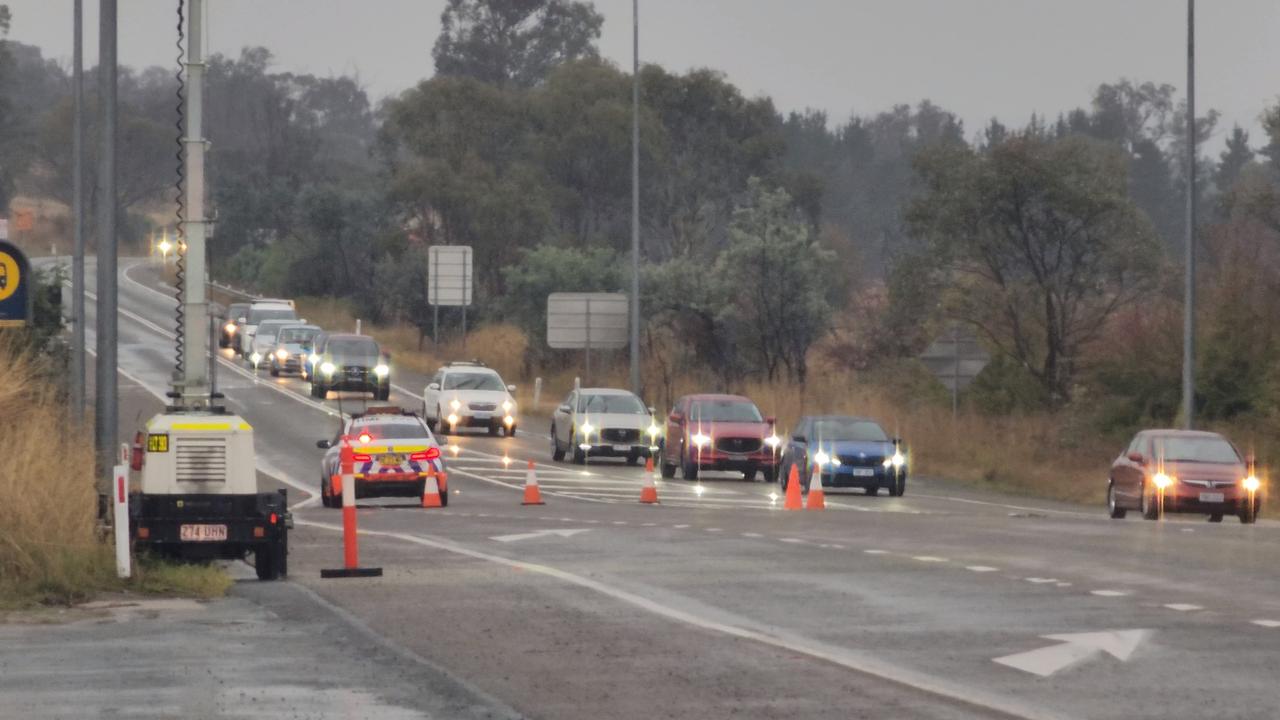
[428, 454]
[357, 457]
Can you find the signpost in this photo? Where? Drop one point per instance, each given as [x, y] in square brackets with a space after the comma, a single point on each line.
[956, 358]
[586, 321]
[449, 283]
[15, 284]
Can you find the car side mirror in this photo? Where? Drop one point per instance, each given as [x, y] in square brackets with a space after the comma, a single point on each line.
[511, 388]
[897, 441]
[652, 411]
[242, 320]
[798, 438]
[771, 420]
[324, 444]
[433, 386]
[1137, 457]
[564, 408]
[386, 356]
[676, 417]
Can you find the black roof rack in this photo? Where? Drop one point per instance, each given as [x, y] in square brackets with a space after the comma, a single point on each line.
[466, 363]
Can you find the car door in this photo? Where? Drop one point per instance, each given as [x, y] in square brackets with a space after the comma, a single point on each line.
[798, 447]
[563, 419]
[676, 420]
[431, 395]
[1129, 474]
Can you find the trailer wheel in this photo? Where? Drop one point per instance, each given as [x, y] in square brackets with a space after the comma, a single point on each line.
[268, 561]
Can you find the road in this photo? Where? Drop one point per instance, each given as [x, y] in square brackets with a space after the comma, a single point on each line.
[945, 603]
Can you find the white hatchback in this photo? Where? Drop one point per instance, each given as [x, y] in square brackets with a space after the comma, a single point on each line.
[469, 395]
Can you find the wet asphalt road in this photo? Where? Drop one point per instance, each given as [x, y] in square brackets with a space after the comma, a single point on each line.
[718, 604]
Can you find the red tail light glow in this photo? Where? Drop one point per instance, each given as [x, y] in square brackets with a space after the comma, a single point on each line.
[357, 457]
[428, 454]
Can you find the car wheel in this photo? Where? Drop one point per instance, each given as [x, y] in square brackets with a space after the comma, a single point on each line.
[688, 470]
[873, 490]
[1249, 514]
[1215, 517]
[275, 372]
[899, 487]
[1151, 508]
[431, 424]
[771, 474]
[749, 475]
[1113, 508]
[444, 496]
[557, 454]
[383, 394]
[579, 456]
[510, 432]
[493, 429]
[324, 493]
[266, 561]
[668, 470]
[633, 458]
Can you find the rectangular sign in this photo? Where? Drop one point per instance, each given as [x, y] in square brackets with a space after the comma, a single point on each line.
[449, 275]
[158, 443]
[15, 283]
[587, 320]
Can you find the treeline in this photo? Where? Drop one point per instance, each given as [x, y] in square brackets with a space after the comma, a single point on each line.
[768, 240]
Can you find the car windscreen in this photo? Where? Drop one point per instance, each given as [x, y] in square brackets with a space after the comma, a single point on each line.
[1194, 449]
[391, 431]
[472, 381]
[351, 350]
[724, 411]
[611, 404]
[258, 314]
[847, 429]
[297, 336]
[237, 310]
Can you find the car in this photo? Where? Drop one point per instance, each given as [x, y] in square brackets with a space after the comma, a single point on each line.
[719, 432]
[293, 347]
[345, 361]
[1184, 471]
[259, 310]
[227, 333]
[603, 422]
[469, 394]
[264, 341]
[852, 452]
[394, 453]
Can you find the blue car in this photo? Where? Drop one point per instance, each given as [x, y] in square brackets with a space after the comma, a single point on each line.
[853, 452]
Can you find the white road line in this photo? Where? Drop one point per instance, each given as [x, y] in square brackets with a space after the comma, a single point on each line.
[649, 524]
[876, 552]
[790, 540]
[930, 559]
[619, 522]
[679, 527]
[1267, 623]
[866, 663]
[1183, 607]
[751, 535]
[982, 568]
[714, 530]
[1040, 580]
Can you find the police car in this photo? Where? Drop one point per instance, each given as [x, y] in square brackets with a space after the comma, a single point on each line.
[394, 453]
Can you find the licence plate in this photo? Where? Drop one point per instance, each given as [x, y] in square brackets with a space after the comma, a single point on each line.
[1212, 497]
[202, 533]
[864, 472]
[390, 460]
[622, 448]
[482, 415]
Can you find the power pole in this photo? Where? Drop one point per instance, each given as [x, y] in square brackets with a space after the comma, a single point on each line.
[635, 196]
[77, 216]
[106, 405]
[1189, 309]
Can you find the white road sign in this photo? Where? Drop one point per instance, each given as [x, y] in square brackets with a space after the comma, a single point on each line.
[956, 358]
[587, 320]
[449, 275]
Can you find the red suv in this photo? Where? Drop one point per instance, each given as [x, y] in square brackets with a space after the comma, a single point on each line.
[1183, 471]
[719, 432]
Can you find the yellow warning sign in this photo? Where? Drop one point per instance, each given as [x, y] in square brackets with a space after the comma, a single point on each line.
[10, 275]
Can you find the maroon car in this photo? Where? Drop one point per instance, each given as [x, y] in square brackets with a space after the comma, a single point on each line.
[1183, 471]
[719, 432]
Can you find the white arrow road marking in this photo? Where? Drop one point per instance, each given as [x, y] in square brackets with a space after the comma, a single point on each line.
[1073, 648]
[566, 532]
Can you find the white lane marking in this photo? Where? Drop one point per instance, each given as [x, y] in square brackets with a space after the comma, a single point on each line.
[930, 559]
[1109, 593]
[876, 552]
[982, 568]
[751, 535]
[790, 540]
[714, 530]
[679, 527]
[1063, 584]
[1267, 623]
[1073, 648]
[1040, 580]
[619, 522]
[834, 546]
[1183, 607]
[520, 486]
[649, 524]
[563, 532]
[1006, 505]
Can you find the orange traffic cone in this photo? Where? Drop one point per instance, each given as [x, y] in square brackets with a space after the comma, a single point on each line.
[532, 495]
[431, 492]
[649, 493]
[793, 490]
[817, 498]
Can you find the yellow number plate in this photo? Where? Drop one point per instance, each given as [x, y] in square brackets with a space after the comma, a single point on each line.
[158, 442]
[390, 459]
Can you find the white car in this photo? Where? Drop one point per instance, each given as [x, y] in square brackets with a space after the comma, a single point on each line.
[468, 394]
[261, 310]
[603, 422]
[264, 341]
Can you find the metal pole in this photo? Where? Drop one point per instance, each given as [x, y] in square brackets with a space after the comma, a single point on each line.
[77, 215]
[955, 372]
[106, 405]
[1189, 309]
[635, 196]
[588, 344]
[433, 297]
[194, 383]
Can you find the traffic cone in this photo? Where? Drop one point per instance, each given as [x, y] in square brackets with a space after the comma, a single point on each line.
[532, 495]
[431, 492]
[817, 498]
[649, 493]
[793, 490]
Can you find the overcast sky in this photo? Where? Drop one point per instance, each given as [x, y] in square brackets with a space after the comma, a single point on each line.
[977, 58]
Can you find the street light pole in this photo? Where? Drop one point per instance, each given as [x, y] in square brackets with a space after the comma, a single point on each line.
[106, 406]
[77, 216]
[635, 196]
[1189, 309]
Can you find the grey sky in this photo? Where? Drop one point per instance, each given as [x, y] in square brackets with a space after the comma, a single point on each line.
[978, 58]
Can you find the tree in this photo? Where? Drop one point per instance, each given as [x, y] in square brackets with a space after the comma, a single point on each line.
[514, 42]
[1042, 244]
[547, 269]
[1233, 159]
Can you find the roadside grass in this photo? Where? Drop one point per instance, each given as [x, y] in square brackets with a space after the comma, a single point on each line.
[51, 548]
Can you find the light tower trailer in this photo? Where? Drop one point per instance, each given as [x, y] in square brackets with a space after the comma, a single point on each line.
[200, 498]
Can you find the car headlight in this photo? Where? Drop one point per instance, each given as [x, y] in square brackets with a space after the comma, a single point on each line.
[1251, 483]
[508, 420]
[255, 358]
[821, 458]
[313, 359]
[282, 354]
[1162, 481]
[455, 404]
[507, 405]
[699, 439]
[896, 460]
[453, 419]
[586, 429]
[327, 368]
[653, 430]
[381, 370]
[230, 328]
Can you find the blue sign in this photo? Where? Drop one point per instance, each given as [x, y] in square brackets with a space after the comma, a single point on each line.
[15, 284]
